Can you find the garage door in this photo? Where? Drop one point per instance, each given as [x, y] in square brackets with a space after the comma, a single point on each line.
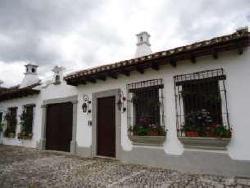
[59, 126]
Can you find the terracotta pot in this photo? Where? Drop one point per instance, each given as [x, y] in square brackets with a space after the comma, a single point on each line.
[153, 133]
[191, 133]
[210, 134]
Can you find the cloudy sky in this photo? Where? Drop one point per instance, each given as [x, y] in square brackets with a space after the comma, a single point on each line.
[78, 34]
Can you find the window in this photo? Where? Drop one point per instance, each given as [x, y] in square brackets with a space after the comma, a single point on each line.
[203, 94]
[1, 117]
[145, 107]
[1, 125]
[27, 121]
[11, 118]
[201, 104]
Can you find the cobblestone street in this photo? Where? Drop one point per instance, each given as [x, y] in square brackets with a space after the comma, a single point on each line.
[23, 167]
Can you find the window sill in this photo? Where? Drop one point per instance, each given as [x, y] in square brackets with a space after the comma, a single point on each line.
[147, 140]
[25, 138]
[10, 135]
[208, 143]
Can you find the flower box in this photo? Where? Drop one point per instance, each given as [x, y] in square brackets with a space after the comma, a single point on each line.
[147, 140]
[10, 135]
[192, 133]
[23, 136]
[209, 143]
[26, 137]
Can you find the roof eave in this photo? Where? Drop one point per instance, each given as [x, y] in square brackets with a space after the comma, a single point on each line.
[238, 40]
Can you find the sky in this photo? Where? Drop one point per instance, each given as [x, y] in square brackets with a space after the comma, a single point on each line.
[79, 34]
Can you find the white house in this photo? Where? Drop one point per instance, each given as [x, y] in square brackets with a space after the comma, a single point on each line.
[184, 108]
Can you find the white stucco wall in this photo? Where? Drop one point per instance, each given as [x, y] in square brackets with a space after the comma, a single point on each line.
[20, 103]
[237, 70]
[50, 92]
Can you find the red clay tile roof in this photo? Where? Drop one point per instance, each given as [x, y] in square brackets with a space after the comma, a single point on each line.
[14, 92]
[2, 89]
[237, 40]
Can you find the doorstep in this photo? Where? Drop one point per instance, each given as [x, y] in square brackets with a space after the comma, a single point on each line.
[105, 157]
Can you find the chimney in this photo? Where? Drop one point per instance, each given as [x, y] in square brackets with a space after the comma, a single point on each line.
[143, 45]
[31, 76]
[58, 74]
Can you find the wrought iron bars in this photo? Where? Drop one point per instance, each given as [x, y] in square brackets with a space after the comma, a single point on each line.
[145, 98]
[201, 91]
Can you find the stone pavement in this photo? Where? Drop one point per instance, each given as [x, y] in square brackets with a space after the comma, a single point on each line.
[23, 167]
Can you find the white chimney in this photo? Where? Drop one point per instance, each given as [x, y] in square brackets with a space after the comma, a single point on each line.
[58, 74]
[143, 45]
[31, 76]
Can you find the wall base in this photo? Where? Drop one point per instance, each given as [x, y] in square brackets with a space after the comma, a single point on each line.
[84, 151]
[73, 145]
[41, 144]
[190, 161]
[1, 137]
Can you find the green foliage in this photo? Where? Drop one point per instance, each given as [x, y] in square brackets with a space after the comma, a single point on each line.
[223, 132]
[11, 124]
[26, 119]
[202, 123]
[147, 127]
[1, 127]
[197, 121]
[139, 130]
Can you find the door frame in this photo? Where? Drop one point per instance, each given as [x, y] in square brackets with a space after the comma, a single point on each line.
[102, 94]
[41, 144]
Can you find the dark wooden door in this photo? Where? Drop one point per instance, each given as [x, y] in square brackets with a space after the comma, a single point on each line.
[106, 126]
[59, 126]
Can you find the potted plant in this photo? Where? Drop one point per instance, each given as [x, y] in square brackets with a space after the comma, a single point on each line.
[190, 130]
[201, 132]
[223, 132]
[147, 133]
[1, 130]
[1, 127]
[24, 136]
[197, 123]
[11, 120]
[26, 125]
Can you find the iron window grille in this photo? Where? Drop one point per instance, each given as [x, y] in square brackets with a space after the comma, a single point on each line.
[11, 118]
[1, 117]
[1, 120]
[145, 100]
[202, 91]
[28, 118]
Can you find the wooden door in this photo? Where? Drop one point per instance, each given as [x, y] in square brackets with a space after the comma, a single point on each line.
[59, 126]
[106, 126]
